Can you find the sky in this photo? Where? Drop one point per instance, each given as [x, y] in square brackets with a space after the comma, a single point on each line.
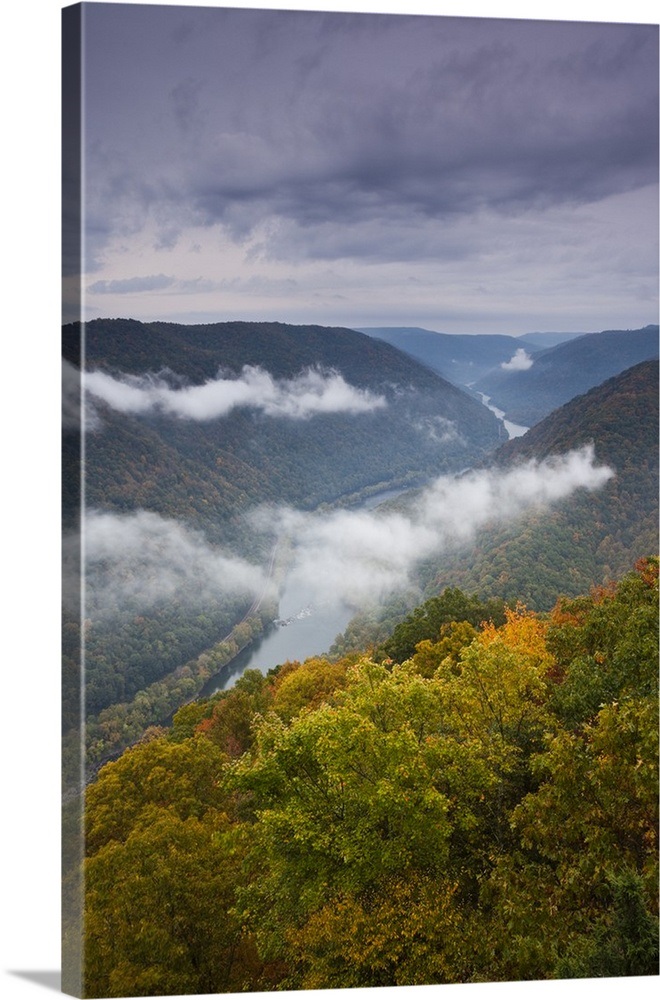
[462, 174]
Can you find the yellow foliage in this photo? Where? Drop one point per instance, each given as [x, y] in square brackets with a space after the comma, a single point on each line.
[408, 932]
[523, 631]
[502, 686]
[308, 685]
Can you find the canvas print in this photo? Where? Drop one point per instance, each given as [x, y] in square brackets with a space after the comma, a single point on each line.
[360, 500]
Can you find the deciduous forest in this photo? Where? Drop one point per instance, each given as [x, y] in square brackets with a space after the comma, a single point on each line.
[360, 517]
[463, 787]
[480, 805]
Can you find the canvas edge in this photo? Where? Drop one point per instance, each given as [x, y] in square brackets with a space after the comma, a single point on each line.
[72, 493]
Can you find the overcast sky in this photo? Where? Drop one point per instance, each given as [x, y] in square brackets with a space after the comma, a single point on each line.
[467, 175]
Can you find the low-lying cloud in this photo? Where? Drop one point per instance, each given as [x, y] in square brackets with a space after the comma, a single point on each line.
[78, 414]
[360, 556]
[356, 557]
[140, 559]
[70, 397]
[438, 429]
[311, 392]
[520, 362]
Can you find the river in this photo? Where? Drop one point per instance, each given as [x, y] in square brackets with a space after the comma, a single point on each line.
[513, 430]
[305, 630]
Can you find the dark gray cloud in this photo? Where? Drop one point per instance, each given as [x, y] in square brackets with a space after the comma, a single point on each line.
[461, 174]
[232, 117]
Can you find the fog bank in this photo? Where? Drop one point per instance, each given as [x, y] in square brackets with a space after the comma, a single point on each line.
[361, 556]
[311, 392]
[140, 559]
[346, 556]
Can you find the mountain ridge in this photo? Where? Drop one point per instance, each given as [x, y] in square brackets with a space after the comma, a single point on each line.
[593, 537]
[427, 426]
[558, 374]
[582, 543]
[461, 358]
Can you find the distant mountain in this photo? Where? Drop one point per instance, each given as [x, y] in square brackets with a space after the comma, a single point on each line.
[207, 471]
[460, 358]
[593, 537]
[542, 341]
[553, 377]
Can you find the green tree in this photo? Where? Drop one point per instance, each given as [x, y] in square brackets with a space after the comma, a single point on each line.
[158, 917]
[580, 887]
[307, 685]
[360, 808]
[625, 939]
[426, 621]
[606, 645]
[183, 778]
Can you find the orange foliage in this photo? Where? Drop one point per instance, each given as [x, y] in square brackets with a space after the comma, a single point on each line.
[523, 630]
[648, 570]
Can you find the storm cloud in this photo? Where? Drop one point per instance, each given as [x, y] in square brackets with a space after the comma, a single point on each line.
[224, 143]
[309, 393]
[344, 119]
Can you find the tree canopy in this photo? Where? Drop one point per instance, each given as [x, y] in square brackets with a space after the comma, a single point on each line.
[485, 809]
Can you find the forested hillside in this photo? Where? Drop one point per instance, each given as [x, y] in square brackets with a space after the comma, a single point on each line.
[143, 661]
[462, 793]
[583, 542]
[593, 537]
[207, 470]
[461, 358]
[187, 430]
[485, 809]
[541, 341]
[557, 375]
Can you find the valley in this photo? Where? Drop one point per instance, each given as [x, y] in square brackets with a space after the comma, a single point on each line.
[291, 575]
[360, 357]
[186, 511]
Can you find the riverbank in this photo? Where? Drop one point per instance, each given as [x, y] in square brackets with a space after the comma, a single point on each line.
[513, 430]
[119, 726]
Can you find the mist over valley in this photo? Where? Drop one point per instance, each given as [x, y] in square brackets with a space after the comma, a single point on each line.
[219, 490]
